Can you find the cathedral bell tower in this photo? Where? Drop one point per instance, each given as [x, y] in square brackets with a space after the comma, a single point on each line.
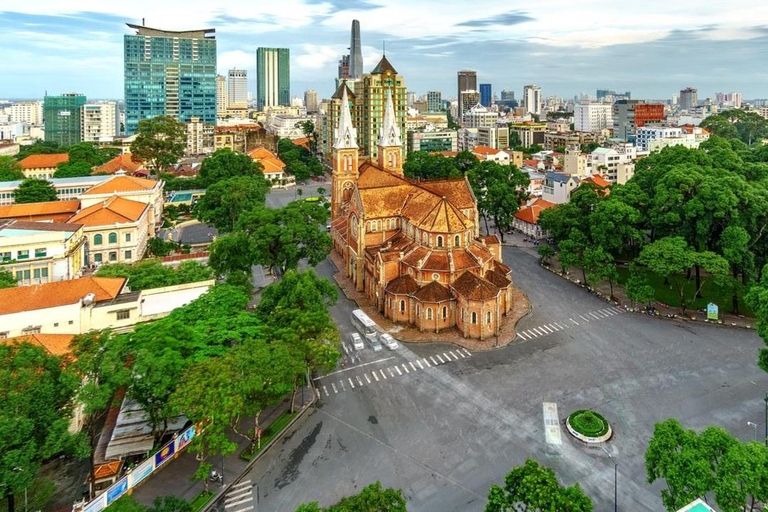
[345, 158]
[390, 143]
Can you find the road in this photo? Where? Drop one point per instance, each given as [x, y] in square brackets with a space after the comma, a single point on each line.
[443, 424]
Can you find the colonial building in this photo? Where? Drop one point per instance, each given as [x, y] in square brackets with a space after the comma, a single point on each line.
[413, 247]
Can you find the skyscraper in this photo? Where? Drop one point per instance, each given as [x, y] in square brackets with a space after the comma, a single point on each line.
[222, 98]
[273, 77]
[486, 93]
[344, 67]
[434, 101]
[169, 73]
[467, 82]
[689, 98]
[238, 87]
[99, 120]
[63, 116]
[310, 100]
[355, 52]
[532, 99]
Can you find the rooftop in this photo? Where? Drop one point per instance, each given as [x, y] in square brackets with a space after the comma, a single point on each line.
[115, 210]
[54, 344]
[473, 287]
[45, 161]
[122, 162]
[118, 184]
[141, 30]
[14, 228]
[22, 210]
[60, 293]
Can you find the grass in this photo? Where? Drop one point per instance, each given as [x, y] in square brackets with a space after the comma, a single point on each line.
[588, 423]
[269, 433]
[201, 500]
[667, 294]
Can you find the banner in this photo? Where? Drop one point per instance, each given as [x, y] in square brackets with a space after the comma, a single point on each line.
[164, 454]
[117, 490]
[712, 311]
[185, 438]
[141, 472]
[97, 505]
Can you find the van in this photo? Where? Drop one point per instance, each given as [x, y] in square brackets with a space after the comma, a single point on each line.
[357, 341]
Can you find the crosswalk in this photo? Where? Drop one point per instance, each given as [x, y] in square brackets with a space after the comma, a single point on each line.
[341, 382]
[239, 498]
[576, 320]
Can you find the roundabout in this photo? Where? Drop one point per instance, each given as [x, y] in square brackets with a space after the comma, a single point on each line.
[588, 427]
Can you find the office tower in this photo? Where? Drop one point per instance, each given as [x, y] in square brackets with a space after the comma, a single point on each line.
[434, 101]
[99, 121]
[467, 82]
[370, 100]
[467, 100]
[169, 73]
[355, 52]
[592, 117]
[532, 99]
[411, 98]
[629, 115]
[273, 75]
[62, 116]
[30, 112]
[222, 98]
[343, 67]
[310, 100]
[689, 98]
[486, 94]
[237, 92]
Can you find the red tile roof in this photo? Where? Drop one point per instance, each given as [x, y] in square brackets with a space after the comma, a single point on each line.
[485, 150]
[54, 344]
[597, 180]
[122, 162]
[122, 184]
[49, 161]
[433, 292]
[48, 210]
[115, 210]
[59, 293]
[530, 214]
[403, 285]
[473, 287]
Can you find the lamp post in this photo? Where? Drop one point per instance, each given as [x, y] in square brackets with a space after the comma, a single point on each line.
[754, 426]
[615, 479]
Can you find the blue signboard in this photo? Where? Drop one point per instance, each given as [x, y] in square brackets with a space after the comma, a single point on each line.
[164, 454]
[117, 490]
[712, 311]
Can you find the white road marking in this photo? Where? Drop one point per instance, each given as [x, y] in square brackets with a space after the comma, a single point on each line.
[391, 373]
[522, 335]
[610, 312]
[334, 388]
[351, 383]
[459, 352]
[593, 315]
[551, 424]
[375, 376]
[546, 329]
[427, 362]
[366, 378]
[541, 332]
[238, 494]
[411, 363]
[532, 334]
[246, 509]
[560, 326]
[468, 352]
[440, 358]
[418, 362]
[553, 326]
[406, 369]
[239, 502]
[240, 484]
[326, 390]
[398, 371]
[354, 367]
[617, 308]
[360, 381]
[584, 318]
[383, 374]
[342, 385]
[574, 321]
[433, 360]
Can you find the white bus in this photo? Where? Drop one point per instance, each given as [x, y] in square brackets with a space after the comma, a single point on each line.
[364, 324]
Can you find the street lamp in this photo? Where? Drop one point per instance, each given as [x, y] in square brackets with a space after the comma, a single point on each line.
[754, 426]
[615, 479]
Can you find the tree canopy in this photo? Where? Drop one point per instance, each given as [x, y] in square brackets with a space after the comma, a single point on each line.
[160, 142]
[373, 498]
[153, 274]
[748, 127]
[7, 279]
[225, 164]
[10, 170]
[34, 190]
[226, 200]
[299, 161]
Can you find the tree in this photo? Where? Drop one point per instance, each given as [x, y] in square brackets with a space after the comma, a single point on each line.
[36, 400]
[72, 169]
[193, 272]
[160, 142]
[40, 147]
[90, 154]
[226, 200]
[308, 129]
[746, 126]
[225, 164]
[231, 253]
[128, 503]
[33, 190]
[757, 299]
[742, 477]
[10, 170]
[425, 165]
[299, 161]
[500, 191]
[545, 252]
[534, 488]
[161, 248]
[637, 286]
[7, 279]
[371, 499]
[321, 191]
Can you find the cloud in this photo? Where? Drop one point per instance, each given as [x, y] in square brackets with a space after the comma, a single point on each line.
[316, 57]
[506, 19]
[235, 59]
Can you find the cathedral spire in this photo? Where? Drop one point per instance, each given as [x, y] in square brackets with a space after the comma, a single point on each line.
[390, 132]
[346, 135]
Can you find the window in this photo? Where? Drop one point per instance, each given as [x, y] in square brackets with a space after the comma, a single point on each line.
[474, 317]
[98, 239]
[439, 241]
[457, 240]
[113, 238]
[41, 252]
[113, 256]
[127, 237]
[373, 226]
[436, 277]
[56, 324]
[402, 306]
[124, 314]
[5, 256]
[418, 311]
[3, 335]
[429, 313]
[71, 322]
[22, 255]
[31, 330]
[445, 312]
[127, 255]
[97, 258]
[489, 317]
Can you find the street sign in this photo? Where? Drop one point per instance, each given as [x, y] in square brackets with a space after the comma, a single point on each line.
[712, 311]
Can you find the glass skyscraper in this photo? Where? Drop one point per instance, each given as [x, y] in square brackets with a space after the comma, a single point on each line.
[273, 80]
[63, 116]
[169, 73]
[486, 94]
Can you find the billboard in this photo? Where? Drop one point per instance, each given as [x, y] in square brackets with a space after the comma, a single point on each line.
[142, 472]
[117, 490]
[185, 438]
[164, 454]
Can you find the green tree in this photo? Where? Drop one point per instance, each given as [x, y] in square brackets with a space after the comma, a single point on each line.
[33, 190]
[88, 153]
[40, 147]
[545, 252]
[425, 165]
[299, 161]
[638, 289]
[757, 299]
[373, 498]
[231, 253]
[500, 190]
[749, 127]
[161, 248]
[10, 170]
[160, 142]
[36, 401]
[193, 272]
[534, 488]
[225, 164]
[226, 200]
[72, 169]
[308, 129]
[742, 477]
[7, 279]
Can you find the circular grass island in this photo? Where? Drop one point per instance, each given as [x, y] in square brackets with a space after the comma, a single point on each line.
[589, 427]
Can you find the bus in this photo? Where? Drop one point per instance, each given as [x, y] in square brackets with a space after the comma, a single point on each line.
[364, 324]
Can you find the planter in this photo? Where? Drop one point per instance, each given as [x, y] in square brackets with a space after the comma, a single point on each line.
[589, 427]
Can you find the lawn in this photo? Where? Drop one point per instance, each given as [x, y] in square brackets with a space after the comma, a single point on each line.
[667, 294]
[201, 500]
[268, 433]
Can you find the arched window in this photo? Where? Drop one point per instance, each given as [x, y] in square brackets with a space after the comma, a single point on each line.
[439, 241]
[429, 313]
[113, 238]
[402, 306]
[457, 240]
[98, 239]
[373, 225]
[445, 312]
[474, 317]
[97, 257]
[425, 238]
[489, 317]
[418, 311]
[113, 256]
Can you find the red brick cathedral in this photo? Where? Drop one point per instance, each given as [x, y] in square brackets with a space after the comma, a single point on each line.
[414, 247]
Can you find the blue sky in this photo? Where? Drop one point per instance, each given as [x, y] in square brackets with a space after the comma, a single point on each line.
[653, 48]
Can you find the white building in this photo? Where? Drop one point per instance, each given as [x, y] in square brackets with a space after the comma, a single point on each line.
[99, 121]
[199, 137]
[222, 100]
[13, 130]
[479, 116]
[467, 138]
[606, 161]
[592, 117]
[30, 112]
[532, 99]
[493, 136]
[237, 93]
[558, 187]
[284, 126]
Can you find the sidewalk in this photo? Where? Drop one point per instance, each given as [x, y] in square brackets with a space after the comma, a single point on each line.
[175, 478]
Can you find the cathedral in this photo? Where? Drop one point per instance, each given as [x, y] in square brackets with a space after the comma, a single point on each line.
[414, 247]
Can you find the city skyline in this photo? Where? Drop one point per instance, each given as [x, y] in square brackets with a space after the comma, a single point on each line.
[711, 48]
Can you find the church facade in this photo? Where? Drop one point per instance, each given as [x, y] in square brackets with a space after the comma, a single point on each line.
[414, 247]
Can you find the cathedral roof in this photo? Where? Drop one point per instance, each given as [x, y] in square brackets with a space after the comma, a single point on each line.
[497, 278]
[390, 131]
[456, 190]
[403, 285]
[340, 90]
[444, 218]
[345, 136]
[472, 287]
[433, 292]
[383, 66]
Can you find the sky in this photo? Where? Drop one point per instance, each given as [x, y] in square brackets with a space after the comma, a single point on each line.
[653, 48]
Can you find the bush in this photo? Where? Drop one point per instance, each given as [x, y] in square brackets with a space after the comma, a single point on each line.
[588, 423]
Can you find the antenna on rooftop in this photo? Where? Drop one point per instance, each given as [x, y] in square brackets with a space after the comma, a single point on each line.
[143, 24]
[384, 48]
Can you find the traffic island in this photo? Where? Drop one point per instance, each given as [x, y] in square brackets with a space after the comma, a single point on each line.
[588, 427]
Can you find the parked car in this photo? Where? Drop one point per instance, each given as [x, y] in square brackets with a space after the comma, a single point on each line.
[357, 341]
[375, 344]
[388, 341]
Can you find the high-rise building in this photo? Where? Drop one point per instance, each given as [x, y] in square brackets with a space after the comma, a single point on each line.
[434, 101]
[344, 67]
[99, 121]
[629, 115]
[62, 116]
[486, 95]
[689, 98]
[355, 52]
[310, 100]
[607, 94]
[532, 99]
[169, 73]
[273, 77]
[592, 117]
[370, 100]
[467, 82]
[222, 97]
[30, 112]
[467, 100]
[237, 92]
[411, 98]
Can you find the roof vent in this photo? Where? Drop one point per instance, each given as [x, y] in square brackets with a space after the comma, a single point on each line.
[89, 299]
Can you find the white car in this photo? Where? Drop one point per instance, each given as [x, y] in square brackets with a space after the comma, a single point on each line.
[357, 341]
[388, 341]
